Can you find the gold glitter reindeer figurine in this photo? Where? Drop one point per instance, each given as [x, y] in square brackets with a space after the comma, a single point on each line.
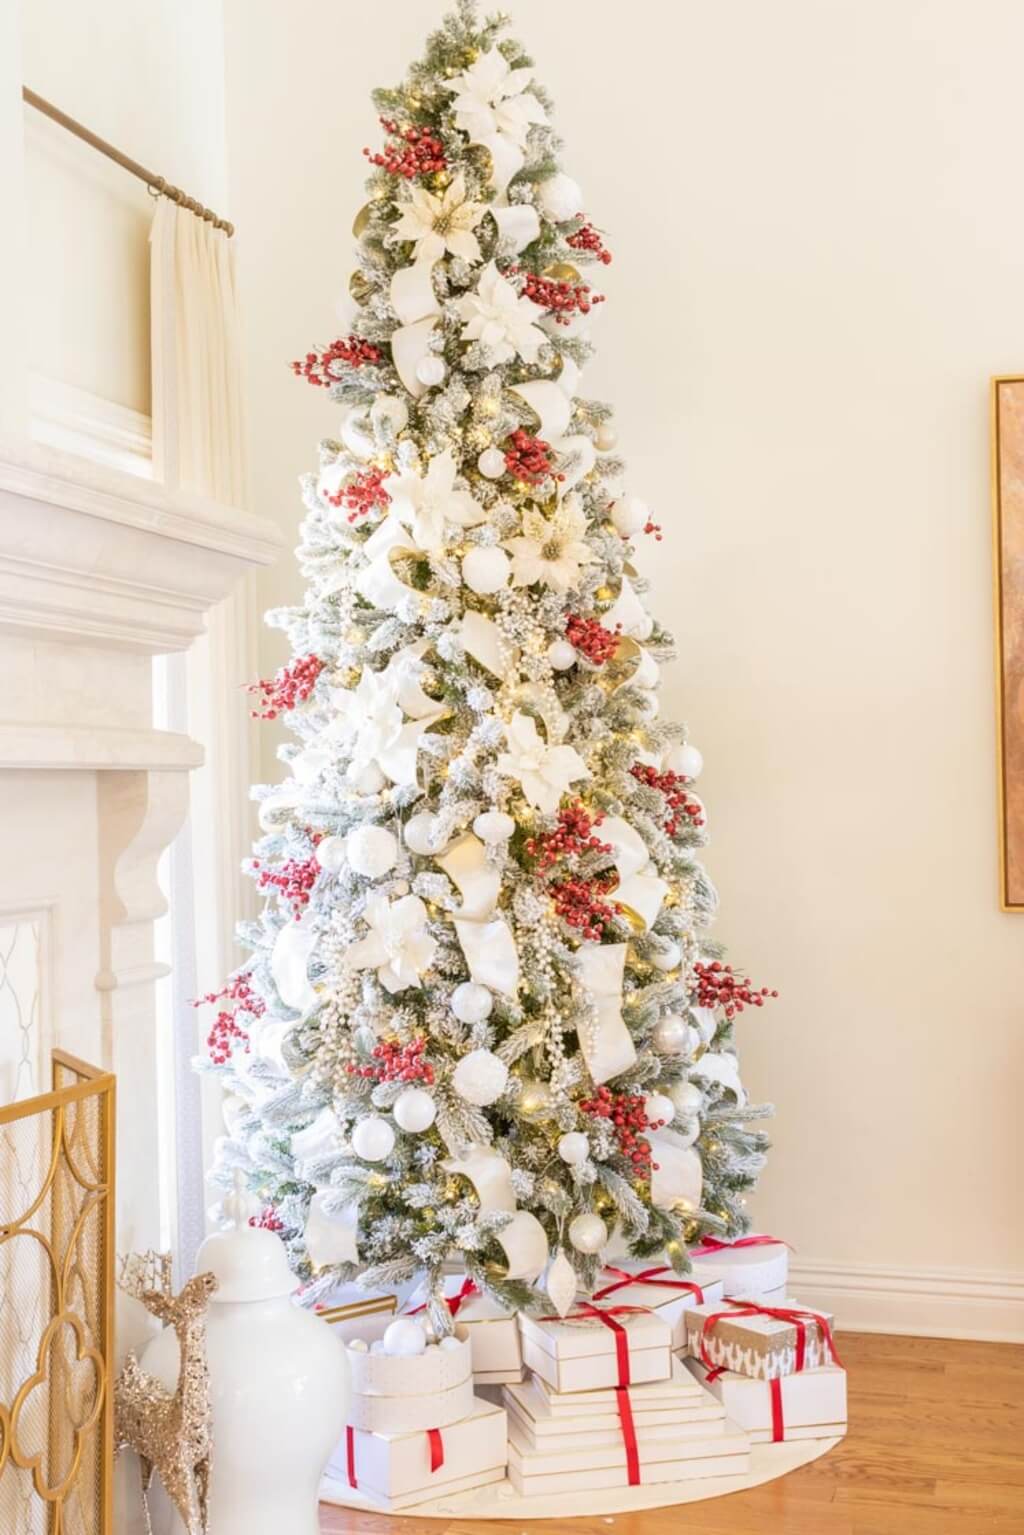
[170, 1432]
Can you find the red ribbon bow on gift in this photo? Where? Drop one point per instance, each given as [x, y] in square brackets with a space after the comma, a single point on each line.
[796, 1316]
[607, 1315]
[709, 1244]
[434, 1442]
[453, 1302]
[648, 1276]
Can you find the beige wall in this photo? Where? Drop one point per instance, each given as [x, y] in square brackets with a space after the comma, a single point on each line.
[819, 256]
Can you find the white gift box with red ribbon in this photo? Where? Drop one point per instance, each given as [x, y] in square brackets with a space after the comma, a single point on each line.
[810, 1405]
[749, 1265]
[661, 1290]
[596, 1346]
[724, 1450]
[491, 1329]
[544, 1419]
[396, 1471]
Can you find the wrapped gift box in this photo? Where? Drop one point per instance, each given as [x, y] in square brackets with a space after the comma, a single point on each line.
[670, 1295]
[811, 1405]
[659, 1401]
[762, 1347]
[492, 1331]
[400, 1470]
[535, 1428]
[581, 1353]
[750, 1265]
[723, 1451]
[397, 1394]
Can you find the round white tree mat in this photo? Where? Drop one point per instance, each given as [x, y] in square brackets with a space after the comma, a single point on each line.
[501, 1501]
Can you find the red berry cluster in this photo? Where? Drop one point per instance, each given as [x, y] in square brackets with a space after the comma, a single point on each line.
[393, 1062]
[226, 1031]
[573, 836]
[416, 152]
[592, 639]
[350, 351]
[650, 526]
[677, 801]
[581, 903]
[364, 494]
[720, 985]
[561, 299]
[527, 458]
[267, 1220]
[293, 880]
[289, 687]
[628, 1113]
[588, 239]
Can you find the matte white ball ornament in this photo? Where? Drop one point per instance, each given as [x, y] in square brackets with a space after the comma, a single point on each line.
[588, 1233]
[486, 569]
[414, 1111]
[659, 1106]
[560, 198]
[471, 1002]
[431, 370]
[491, 463]
[671, 1034]
[405, 1337]
[687, 1098]
[607, 437]
[494, 826]
[562, 655]
[667, 956]
[372, 850]
[573, 1147]
[685, 760]
[373, 1138]
[418, 831]
[480, 1078]
[330, 854]
[629, 515]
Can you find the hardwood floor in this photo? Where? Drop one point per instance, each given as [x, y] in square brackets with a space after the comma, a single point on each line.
[935, 1447]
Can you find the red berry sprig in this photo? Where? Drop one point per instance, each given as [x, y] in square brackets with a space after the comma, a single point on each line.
[320, 367]
[225, 1031]
[588, 239]
[293, 880]
[528, 458]
[393, 1062]
[573, 836]
[677, 801]
[267, 1220]
[627, 1112]
[561, 299]
[650, 526]
[592, 639]
[289, 687]
[721, 986]
[415, 152]
[581, 903]
[362, 495]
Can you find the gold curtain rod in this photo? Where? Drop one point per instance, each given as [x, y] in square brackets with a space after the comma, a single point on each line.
[157, 185]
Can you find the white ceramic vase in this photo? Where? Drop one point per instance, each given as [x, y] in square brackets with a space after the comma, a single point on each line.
[278, 1386]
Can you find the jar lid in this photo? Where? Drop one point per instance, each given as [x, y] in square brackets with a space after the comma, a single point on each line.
[249, 1264]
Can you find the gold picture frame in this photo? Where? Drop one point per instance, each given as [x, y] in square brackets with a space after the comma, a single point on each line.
[1007, 427]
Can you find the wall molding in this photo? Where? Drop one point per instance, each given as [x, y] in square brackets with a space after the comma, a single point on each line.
[76, 421]
[936, 1303]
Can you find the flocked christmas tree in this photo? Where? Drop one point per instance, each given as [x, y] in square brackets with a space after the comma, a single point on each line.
[482, 1014]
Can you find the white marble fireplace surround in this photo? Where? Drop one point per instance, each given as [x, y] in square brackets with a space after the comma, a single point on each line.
[100, 571]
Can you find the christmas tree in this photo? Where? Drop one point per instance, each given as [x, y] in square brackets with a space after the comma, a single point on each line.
[483, 1015]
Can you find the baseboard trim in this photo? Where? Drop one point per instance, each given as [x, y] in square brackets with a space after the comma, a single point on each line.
[927, 1303]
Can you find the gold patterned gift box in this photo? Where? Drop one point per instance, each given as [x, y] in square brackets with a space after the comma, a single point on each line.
[759, 1341]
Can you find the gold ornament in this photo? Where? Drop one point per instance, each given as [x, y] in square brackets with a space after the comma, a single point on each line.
[361, 220]
[172, 1433]
[360, 287]
[561, 271]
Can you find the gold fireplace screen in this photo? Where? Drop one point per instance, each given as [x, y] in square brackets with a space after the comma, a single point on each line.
[56, 1306]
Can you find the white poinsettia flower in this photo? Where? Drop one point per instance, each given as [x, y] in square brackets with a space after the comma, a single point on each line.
[552, 551]
[424, 503]
[545, 772]
[378, 725]
[369, 720]
[398, 945]
[492, 97]
[440, 224]
[496, 316]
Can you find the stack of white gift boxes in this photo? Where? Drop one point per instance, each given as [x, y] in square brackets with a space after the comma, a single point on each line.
[656, 1378]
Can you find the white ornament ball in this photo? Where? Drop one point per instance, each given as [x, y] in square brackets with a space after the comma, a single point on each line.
[629, 515]
[480, 1078]
[373, 1139]
[330, 854]
[687, 1133]
[371, 780]
[414, 1110]
[687, 1098]
[671, 1034]
[667, 956]
[659, 1106]
[372, 850]
[418, 831]
[607, 437]
[562, 655]
[431, 370]
[359, 1346]
[494, 826]
[491, 463]
[471, 1002]
[486, 569]
[573, 1147]
[560, 198]
[405, 1337]
[685, 760]
[588, 1233]
[450, 1344]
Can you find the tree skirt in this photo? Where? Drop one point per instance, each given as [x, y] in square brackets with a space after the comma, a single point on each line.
[500, 1501]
